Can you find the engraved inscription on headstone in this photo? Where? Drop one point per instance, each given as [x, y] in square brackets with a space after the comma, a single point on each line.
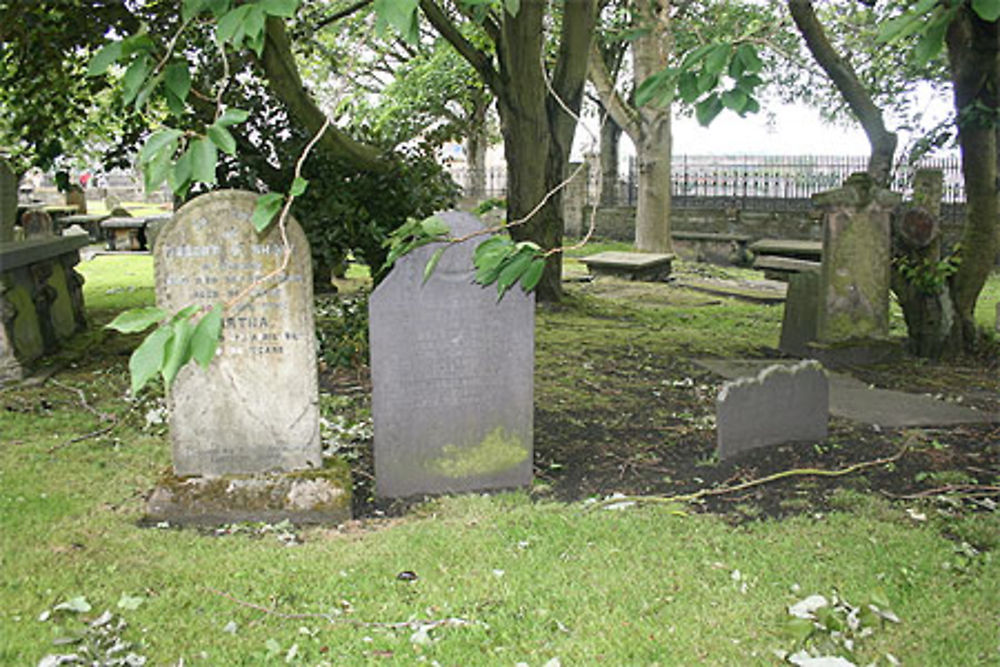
[255, 409]
[8, 202]
[452, 376]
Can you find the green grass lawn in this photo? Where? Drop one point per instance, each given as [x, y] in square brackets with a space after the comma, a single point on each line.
[502, 579]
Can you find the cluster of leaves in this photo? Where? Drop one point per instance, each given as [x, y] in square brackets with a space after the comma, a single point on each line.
[697, 79]
[501, 260]
[831, 628]
[191, 333]
[415, 234]
[928, 275]
[99, 642]
[342, 331]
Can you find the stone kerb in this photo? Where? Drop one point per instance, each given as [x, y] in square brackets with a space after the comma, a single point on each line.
[780, 404]
[452, 376]
[855, 275]
[255, 409]
[8, 202]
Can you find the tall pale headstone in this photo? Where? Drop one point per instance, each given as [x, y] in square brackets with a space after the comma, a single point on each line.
[452, 376]
[854, 280]
[8, 202]
[255, 409]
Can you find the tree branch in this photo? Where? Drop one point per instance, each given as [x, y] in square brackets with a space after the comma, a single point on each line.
[480, 62]
[625, 116]
[283, 78]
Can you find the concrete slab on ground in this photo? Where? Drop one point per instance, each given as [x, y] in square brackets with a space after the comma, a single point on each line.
[755, 291]
[852, 399]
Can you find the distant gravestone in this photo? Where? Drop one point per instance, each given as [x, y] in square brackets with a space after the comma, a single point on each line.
[255, 409]
[452, 376]
[37, 224]
[854, 283]
[8, 202]
[780, 404]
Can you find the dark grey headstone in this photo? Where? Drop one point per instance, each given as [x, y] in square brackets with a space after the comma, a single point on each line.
[255, 409]
[37, 224]
[780, 404]
[8, 202]
[452, 376]
[798, 324]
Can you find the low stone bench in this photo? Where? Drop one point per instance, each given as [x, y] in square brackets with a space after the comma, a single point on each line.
[810, 250]
[124, 233]
[90, 222]
[646, 266]
[715, 248]
[780, 268]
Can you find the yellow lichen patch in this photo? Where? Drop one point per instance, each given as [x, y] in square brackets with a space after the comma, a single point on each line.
[497, 452]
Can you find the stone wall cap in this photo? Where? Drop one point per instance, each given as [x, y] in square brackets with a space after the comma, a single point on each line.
[21, 253]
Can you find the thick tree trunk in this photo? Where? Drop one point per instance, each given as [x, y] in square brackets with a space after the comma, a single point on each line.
[475, 150]
[973, 53]
[881, 140]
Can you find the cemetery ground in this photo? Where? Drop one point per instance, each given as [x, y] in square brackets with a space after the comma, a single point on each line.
[521, 577]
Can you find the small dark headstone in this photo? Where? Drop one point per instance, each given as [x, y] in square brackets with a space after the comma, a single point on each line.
[781, 404]
[798, 324]
[452, 376]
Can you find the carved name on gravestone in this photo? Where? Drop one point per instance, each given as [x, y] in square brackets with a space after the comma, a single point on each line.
[8, 202]
[452, 376]
[780, 404]
[255, 409]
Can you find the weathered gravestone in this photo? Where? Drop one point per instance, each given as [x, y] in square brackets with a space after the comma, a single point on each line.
[8, 202]
[452, 376]
[854, 281]
[780, 404]
[253, 414]
[37, 224]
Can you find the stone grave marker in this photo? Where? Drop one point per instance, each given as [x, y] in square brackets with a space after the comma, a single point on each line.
[244, 431]
[854, 282]
[8, 202]
[452, 376]
[255, 408]
[780, 404]
[37, 224]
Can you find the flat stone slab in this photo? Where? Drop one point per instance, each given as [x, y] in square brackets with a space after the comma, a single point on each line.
[309, 497]
[789, 248]
[754, 291]
[631, 265]
[22, 253]
[852, 399]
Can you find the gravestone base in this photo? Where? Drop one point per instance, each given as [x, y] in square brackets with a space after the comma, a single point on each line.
[305, 497]
[854, 352]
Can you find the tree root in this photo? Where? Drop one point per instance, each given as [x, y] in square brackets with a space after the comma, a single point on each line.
[718, 491]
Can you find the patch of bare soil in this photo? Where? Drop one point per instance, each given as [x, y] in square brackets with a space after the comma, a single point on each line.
[643, 424]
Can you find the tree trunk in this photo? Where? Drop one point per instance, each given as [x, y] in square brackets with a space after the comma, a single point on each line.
[475, 151]
[973, 54]
[611, 133]
[881, 140]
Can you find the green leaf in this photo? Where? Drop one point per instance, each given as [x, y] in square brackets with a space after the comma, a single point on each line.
[266, 208]
[178, 350]
[253, 22]
[931, 42]
[205, 338]
[134, 77]
[752, 106]
[299, 186]
[232, 116]
[146, 360]
[488, 267]
[734, 99]
[231, 25]
[130, 602]
[157, 170]
[706, 81]
[177, 79]
[284, 8]
[433, 262]
[747, 55]
[434, 226]
[191, 8]
[533, 274]
[799, 629]
[988, 10]
[218, 7]
[204, 157]
[488, 246]
[77, 605]
[161, 141]
[102, 60]
[150, 86]
[716, 58]
[401, 15]
[694, 56]
[179, 177]
[687, 87]
[513, 270]
[136, 319]
[651, 88]
[512, 7]
[185, 313]
[223, 140]
[706, 110]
